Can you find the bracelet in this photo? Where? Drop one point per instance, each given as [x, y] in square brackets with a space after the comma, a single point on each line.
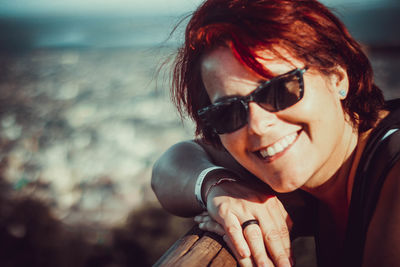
[199, 183]
[220, 181]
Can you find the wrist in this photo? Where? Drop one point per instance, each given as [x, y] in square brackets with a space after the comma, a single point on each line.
[203, 177]
[217, 183]
[214, 179]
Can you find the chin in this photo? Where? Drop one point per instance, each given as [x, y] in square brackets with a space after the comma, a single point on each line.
[283, 186]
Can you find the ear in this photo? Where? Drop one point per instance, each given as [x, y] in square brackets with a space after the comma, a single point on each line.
[340, 82]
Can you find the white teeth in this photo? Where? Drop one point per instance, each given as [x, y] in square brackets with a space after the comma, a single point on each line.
[284, 142]
[270, 151]
[278, 146]
[290, 138]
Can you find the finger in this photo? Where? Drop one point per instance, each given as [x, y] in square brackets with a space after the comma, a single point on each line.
[233, 230]
[212, 226]
[197, 219]
[285, 230]
[205, 219]
[285, 215]
[278, 217]
[255, 240]
[202, 217]
[243, 262]
[272, 239]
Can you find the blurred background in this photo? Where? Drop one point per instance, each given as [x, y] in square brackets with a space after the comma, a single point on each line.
[85, 112]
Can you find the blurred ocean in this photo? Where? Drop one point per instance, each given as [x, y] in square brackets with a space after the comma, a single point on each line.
[85, 32]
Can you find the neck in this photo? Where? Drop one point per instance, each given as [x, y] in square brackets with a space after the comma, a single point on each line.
[332, 189]
[333, 192]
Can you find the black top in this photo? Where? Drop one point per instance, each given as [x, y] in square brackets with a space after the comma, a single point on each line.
[381, 152]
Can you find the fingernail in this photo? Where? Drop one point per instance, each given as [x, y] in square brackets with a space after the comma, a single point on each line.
[197, 218]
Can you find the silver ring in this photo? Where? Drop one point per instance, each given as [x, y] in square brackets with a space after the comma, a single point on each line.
[249, 222]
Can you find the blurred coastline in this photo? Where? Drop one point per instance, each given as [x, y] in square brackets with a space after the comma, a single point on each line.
[84, 115]
[90, 32]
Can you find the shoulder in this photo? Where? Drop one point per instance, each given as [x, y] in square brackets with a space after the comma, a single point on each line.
[383, 236]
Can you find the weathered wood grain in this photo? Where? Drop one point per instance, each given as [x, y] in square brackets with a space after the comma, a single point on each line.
[223, 259]
[179, 248]
[198, 249]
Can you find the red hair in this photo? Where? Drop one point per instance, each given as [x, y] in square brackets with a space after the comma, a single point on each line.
[306, 28]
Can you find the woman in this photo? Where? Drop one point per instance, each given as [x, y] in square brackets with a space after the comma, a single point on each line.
[280, 87]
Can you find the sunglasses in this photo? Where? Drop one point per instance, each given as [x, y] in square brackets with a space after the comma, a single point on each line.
[232, 113]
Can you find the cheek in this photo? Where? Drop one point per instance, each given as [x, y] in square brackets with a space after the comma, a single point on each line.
[322, 118]
[232, 141]
[320, 107]
[235, 143]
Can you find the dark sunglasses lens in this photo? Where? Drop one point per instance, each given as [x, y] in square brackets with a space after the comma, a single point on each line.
[277, 94]
[227, 117]
[280, 94]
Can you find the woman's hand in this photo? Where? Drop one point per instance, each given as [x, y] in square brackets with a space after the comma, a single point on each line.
[207, 223]
[266, 244]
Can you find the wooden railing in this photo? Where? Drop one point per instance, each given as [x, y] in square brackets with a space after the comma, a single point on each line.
[196, 249]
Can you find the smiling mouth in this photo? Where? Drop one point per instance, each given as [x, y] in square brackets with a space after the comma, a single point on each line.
[273, 151]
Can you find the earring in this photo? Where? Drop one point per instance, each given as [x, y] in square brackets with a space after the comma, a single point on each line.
[342, 93]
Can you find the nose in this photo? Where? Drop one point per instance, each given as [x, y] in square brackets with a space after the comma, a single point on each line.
[259, 120]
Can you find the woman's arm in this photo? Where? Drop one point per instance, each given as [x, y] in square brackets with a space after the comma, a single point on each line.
[173, 177]
[229, 204]
[383, 236]
[175, 172]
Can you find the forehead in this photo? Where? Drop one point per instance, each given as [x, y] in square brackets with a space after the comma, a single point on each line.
[224, 75]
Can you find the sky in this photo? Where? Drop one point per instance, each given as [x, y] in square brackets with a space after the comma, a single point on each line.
[144, 7]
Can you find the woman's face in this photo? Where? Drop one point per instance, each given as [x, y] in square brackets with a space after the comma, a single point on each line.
[301, 146]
